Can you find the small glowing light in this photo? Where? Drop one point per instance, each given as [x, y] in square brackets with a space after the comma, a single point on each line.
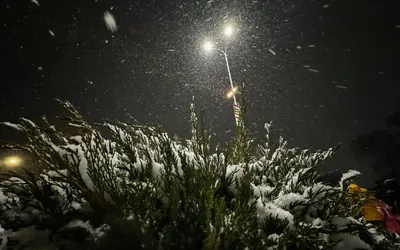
[208, 46]
[12, 161]
[232, 92]
[228, 31]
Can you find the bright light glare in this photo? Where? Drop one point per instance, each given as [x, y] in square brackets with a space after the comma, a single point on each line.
[228, 31]
[12, 161]
[232, 92]
[208, 46]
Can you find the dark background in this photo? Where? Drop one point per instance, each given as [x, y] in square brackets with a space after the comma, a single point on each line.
[153, 65]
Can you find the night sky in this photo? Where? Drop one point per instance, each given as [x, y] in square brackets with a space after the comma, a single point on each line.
[322, 71]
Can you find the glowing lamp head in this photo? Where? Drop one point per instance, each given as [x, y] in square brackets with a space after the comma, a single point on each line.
[208, 46]
[228, 31]
[12, 161]
[232, 92]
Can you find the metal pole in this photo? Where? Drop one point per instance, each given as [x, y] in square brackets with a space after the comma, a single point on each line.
[230, 77]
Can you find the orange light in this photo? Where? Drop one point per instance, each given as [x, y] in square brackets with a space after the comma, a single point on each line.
[12, 161]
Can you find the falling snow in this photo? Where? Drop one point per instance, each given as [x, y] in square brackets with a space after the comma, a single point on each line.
[35, 2]
[313, 70]
[110, 22]
[288, 53]
[272, 52]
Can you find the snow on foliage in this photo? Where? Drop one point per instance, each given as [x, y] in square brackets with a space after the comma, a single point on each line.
[163, 187]
[12, 125]
[274, 211]
[96, 233]
[349, 242]
[348, 176]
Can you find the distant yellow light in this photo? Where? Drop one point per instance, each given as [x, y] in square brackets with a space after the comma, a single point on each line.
[12, 161]
[232, 92]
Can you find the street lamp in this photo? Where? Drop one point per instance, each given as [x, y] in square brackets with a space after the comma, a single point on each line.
[208, 46]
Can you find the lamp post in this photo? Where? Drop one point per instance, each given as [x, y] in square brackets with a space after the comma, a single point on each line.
[208, 46]
[233, 90]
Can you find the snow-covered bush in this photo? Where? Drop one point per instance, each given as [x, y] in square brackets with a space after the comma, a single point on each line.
[114, 185]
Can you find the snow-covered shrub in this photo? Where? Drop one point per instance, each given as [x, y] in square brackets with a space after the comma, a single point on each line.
[114, 185]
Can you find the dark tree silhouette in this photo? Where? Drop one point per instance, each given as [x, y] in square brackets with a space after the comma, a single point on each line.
[383, 146]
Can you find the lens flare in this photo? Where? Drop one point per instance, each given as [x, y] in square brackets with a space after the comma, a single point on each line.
[232, 92]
